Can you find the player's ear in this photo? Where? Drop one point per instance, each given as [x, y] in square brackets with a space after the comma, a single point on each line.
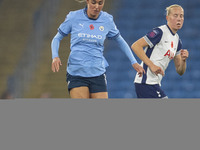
[167, 18]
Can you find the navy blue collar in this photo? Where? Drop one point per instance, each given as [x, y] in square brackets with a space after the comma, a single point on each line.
[170, 30]
[85, 12]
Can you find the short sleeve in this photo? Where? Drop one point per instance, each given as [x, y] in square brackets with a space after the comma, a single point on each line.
[65, 28]
[179, 47]
[153, 37]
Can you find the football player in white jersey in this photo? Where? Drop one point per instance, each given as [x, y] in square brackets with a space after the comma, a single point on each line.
[161, 45]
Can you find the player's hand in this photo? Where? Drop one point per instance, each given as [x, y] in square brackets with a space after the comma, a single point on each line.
[139, 69]
[157, 70]
[184, 54]
[56, 63]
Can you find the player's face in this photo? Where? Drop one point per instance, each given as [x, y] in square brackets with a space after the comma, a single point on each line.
[175, 19]
[94, 8]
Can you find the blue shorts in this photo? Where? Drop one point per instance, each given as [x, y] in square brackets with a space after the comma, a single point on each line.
[149, 91]
[95, 84]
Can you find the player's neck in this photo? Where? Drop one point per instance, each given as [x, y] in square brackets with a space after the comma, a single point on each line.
[172, 29]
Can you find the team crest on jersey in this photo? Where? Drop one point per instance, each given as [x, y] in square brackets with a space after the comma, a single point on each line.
[101, 28]
[91, 27]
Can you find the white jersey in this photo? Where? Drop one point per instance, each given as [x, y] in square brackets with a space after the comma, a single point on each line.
[163, 46]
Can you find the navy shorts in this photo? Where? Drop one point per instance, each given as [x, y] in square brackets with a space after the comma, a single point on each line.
[95, 84]
[149, 91]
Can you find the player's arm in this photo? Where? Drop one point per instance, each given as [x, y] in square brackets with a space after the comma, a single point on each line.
[137, 47]
[55, 44]
[115, 35]
[63, 30]
[126, 49]
[180, 61]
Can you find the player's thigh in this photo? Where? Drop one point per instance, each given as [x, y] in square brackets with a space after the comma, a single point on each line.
[99, 95]
[98, 87]
[80, 92]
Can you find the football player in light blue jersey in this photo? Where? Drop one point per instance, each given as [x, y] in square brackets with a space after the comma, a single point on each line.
[89, 27]
[161, 45]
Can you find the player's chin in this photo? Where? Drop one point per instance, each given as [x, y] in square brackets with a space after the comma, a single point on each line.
[179, 26]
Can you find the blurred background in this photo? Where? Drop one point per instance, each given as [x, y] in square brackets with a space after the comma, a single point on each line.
[27, 28]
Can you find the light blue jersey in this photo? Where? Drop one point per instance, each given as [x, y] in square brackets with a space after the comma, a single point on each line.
[87, 42]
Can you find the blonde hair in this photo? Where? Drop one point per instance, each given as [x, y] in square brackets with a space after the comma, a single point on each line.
[168, 9]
